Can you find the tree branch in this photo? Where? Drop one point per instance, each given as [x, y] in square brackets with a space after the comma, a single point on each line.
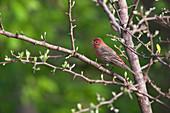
[157, 89]
[143, 101]
[155, 99]
[110, 15]
[63, 69]
[132, 14]
[101, 103]
[114, 7]
[64, 50]
[71, 24]
[1, 26]
[149, 19]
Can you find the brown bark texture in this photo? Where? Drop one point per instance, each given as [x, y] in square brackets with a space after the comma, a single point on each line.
[143, 101]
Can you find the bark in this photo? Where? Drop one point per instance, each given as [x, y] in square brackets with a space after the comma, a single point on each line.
[143, 101]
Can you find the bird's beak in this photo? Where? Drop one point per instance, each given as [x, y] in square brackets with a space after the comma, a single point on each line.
[92, 42]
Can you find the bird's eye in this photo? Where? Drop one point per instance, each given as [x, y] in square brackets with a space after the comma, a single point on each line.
[96, 42]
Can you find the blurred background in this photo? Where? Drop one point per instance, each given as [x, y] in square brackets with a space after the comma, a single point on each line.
[22, 91]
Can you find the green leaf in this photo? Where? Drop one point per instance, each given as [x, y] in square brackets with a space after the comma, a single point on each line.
[47, 52]
[73, 110]
[72, 66]
[125, 74]
[12, 52]
[45, 58]
[97, 110]
[114, 77]
[92, 104]
[65, 65]
[125, 89]
[45, 33]
[27, 54]
[7, 58]
[102, 99]
[81, 72]
[141, 8]
[116, 110]
[91, 111]
[101, 76]
[38, 68]
[121, 88]
[156, 32]
[138, 46]
[130, 82]
[35, 59]
[158, 48]
[147, 13]
[21, 55]
[68, 57]
[42, 58]
[42, 37]
[122, 40]
[148, 44]
[79, 106]
[46, 55]
[77, 49]
[113, 93]
[111, 108]
[135, 12]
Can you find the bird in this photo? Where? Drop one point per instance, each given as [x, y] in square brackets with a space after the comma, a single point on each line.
[108, 55]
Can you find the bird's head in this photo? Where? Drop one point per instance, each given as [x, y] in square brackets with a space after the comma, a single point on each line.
[97, 42]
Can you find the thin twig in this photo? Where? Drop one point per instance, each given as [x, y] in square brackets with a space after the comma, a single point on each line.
[66, 70]
[114, 7]
[166, 23]
[121, 53]
[149, 19]
[153, 98]
[111, 17]
[145, 66]
[64, 50]
[130, 48]
[164, 63]
[164, 41]
[143, 56]
[132, 14]
[71, 24]
[158, 89]
[15, 60]
[1, 26]
[101, 103]
[139, 40]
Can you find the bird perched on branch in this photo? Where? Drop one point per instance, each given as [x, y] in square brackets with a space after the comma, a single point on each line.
[108, 55]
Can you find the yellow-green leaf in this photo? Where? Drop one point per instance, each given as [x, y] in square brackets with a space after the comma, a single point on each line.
[158, 48]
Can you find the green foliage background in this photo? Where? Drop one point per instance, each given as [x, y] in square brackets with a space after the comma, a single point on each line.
[43, 92]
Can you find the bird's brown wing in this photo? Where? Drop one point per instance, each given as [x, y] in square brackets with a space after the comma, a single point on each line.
[109, 56]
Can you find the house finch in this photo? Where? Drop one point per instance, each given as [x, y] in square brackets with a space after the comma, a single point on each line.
[108, 55]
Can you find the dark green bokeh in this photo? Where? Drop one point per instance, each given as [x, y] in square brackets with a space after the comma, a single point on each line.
[21, 90]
